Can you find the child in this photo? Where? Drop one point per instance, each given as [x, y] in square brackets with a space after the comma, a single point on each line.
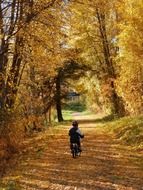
[75, 135]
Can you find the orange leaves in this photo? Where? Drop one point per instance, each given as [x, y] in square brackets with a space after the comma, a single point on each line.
[130, 56]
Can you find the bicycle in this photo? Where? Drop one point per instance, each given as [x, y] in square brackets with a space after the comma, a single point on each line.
[75, 150]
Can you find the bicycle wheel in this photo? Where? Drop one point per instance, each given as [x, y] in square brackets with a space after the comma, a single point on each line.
[74, 151]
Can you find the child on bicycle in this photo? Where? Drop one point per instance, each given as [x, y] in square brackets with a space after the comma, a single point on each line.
[75, 135]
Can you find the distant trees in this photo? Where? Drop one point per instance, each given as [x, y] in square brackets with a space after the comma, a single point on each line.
[71, 70]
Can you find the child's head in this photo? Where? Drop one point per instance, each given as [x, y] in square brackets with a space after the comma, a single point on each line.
[75, 124]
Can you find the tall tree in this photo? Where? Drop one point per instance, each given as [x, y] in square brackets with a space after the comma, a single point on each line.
[95, 38]
[15, 18]
[130, 81]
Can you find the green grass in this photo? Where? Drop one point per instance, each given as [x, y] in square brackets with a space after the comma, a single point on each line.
[128, 129]
[74, 106]
[67, 114]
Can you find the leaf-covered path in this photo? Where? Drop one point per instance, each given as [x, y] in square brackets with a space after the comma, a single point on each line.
[103, 165]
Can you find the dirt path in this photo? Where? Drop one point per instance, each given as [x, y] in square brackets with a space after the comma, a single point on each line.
[103, 165]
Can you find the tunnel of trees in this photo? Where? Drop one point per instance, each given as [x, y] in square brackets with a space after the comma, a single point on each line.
[50, 46]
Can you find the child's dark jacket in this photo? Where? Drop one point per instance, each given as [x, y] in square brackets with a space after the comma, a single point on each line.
[75, 135]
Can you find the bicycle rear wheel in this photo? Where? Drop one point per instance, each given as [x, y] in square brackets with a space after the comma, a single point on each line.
[74, 151]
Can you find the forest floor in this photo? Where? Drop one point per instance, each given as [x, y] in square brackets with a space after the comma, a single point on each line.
[47, 164]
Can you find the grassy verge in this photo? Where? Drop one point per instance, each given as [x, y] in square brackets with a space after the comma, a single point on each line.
[67, 114]
[74, 106]
[129, 130]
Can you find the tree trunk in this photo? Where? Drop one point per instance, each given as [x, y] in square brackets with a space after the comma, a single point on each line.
[117, 106]
[58, 99]
[3, 64]
[3, 58]
[14, 74]
[8, 83]
[50, 114]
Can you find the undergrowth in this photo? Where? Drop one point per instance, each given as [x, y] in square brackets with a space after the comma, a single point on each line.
[128, 130]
